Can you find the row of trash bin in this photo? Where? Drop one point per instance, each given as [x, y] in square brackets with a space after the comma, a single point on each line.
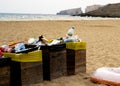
[47, 63]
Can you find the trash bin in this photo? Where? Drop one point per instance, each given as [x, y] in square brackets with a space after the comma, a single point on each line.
[76, 57]
[26, 68]
[54, 61]
[5, 71]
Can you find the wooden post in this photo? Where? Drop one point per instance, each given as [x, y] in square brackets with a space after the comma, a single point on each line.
[26, 73]
[26, 68]
[76, 58]
[5, 71]
[54, 61]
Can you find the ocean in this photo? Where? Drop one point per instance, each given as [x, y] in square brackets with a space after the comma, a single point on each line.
[34, 17]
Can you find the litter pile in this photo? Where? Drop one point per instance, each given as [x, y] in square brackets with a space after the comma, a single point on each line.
[34, 44]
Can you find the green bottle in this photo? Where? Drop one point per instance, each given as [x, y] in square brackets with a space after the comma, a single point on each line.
[70, 32]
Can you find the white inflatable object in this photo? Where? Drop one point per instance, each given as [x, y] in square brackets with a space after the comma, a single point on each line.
[106, 75]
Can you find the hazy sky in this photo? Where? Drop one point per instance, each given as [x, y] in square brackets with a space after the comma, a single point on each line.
[46, 6]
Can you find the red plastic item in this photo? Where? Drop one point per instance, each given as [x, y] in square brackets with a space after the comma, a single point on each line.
[1, 53]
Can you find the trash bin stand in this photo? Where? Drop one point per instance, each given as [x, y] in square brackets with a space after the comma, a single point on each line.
[54, 61]
[76, 61]
[26, 73]
[5, 71]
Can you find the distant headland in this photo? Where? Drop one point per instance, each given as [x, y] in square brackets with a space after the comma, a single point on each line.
[109, 10]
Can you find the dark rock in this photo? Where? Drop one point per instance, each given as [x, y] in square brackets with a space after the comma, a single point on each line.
[110, 10]
[74, 11]
[92, 8]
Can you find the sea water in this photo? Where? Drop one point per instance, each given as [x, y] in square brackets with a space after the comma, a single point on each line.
[32, 17]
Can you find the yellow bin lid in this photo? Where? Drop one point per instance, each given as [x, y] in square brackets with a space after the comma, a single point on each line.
[76, 45]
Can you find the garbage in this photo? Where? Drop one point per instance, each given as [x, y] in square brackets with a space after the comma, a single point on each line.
[70, 32]
[32, 41]
[44, 40]
[1, 53]
[72, 39]
[21, 47]
[5, 48]
[14, 43]
[54, 42]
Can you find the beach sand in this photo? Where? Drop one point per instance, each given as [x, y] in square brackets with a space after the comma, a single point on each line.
[102, 38]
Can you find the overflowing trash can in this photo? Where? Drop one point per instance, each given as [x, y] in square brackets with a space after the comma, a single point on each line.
[26, 68]
[44, 59]
[5, 74]
[76, 57]
[54, 61]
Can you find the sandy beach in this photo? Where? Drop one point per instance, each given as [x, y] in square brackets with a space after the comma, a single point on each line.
[102, 38]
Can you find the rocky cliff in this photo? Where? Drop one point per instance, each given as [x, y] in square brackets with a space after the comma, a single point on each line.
[110, 10]
[92, 8]
[74, 11]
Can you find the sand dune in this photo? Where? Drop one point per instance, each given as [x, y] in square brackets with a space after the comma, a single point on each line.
[102, 38]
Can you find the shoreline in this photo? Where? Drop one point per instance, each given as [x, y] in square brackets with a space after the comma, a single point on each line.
[57, 18]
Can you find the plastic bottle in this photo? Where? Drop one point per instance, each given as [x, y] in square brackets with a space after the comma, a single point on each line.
[32, 41]
[70, 32]
[19, 47]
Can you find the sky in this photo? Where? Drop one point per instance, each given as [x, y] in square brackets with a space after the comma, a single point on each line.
[47, 6]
